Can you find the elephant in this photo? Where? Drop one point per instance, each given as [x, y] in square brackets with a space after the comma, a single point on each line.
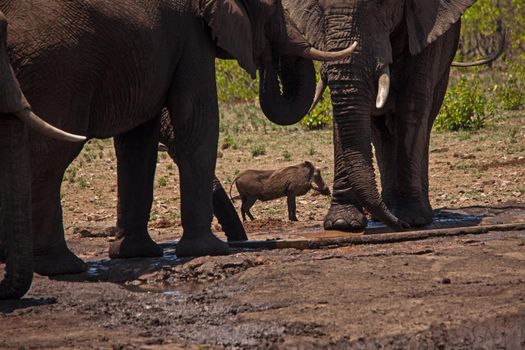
[290, 182]
[15, 176]
[106, 68]
[223, 208]
[387, 93]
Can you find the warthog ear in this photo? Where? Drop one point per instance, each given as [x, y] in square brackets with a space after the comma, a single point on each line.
[231, 29]
[316, 174]
[428, 19]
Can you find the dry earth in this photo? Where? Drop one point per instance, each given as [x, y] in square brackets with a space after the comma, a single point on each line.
[449, 292]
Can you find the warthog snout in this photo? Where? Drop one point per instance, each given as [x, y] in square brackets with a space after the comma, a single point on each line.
[318, 183]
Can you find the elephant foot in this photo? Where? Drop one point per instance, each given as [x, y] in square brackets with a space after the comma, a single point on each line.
[62, 263]
[134, 247]
[344, 217]
[201, 246]
[414, 213]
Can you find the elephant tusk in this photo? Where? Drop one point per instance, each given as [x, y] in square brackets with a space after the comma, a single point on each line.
[383, 88]
[39, 125]
[319, 90]
[318, 55]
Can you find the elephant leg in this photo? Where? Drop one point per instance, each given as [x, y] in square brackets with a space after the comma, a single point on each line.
[419, 104]
[51, 254]
[437, 101]
[413, 139]
[345, 213]
[225, 212]
[383, 137]
[15, 209]
[292, 208]
[223, 208]
[192, 103]
[136, 153]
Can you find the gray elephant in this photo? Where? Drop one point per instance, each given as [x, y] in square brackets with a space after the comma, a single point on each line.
[389, 93]
[107, 68]
[16, 241]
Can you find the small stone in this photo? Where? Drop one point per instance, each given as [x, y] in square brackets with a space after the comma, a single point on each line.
[488, 182]
[446, 280]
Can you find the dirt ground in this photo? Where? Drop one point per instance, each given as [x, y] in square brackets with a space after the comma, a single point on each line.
[444, 292]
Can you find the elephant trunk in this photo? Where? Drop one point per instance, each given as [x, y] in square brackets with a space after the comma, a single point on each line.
[352, 97]
[15, 213]
[288, 104]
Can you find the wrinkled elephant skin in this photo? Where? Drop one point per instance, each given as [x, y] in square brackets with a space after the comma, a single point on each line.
[389, 93]
[109, 68]
[223, 208]
[16, 241]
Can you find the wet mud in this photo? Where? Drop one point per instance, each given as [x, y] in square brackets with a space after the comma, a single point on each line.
[453, 292]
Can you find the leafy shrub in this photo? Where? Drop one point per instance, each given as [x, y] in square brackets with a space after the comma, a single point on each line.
[233, 83]
[321, 116]
[466, 107]
[510, 94]
[481, 19]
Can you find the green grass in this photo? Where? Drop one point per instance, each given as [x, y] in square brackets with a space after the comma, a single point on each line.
[287, 155]
[258, 149]
[163, 181]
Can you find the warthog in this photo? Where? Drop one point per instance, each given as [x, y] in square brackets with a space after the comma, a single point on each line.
[265, 185]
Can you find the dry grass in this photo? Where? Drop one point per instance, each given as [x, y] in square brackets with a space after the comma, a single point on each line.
[480, 168]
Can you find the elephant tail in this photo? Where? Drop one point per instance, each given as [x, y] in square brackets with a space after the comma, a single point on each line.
[491, 57]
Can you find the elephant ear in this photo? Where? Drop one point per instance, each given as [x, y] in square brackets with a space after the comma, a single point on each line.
[231, 29]
[309, 18]
[428, 19]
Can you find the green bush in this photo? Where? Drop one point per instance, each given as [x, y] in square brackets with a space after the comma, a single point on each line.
[481, 20]
[233, 83]
[466, 107]
[321, 116]
[510, 96]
